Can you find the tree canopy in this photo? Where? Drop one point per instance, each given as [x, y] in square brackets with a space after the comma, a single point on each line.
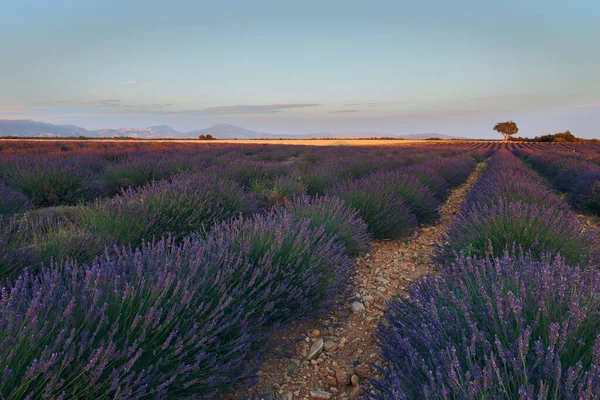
[565, 136]
[507, 128]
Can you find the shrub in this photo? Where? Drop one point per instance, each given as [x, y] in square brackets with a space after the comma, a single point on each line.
[51, 181]
[387, 216]
[527, 226]
[509, 205]
[12, 201]
[590, 200]
[245, 172]
[156, 323]
[416, 195]
[187, 203]
[306, 264]
[121, 219]
[455, 170]
[135, 171]
[576, 176]
[272, 193]
[332, 215]
[550, 165]
[507, 179]
[14, 256]
[168, 320]
[582, 186]
[506, 328]
[358, 166]
[56, 243]
[43, 236]
[317, 179]
[430, 178]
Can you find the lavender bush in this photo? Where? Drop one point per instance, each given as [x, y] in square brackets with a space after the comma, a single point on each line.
[582, 186]
[318, 178]
[245, 172]
[509, 206]
[272, 193]
[43, 236]
[509, 328]
[152, 324]
[187, 203]
[14, 255]
[358, 167]
[455, 170]
[169, 320]
[498, 227]
[550, 165]
[430, 178]
[578, 177]
[417, 196]
[387, 216]
[305, 263]
[51, 181]
[507, 179]
[134, 171]
[12, 201]
[333, 216]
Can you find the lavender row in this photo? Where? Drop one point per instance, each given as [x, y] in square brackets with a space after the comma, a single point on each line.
[81, 174]
[510, 206]
[507, 316]
[170, 320]
[504, 328]
[391, 202]
[177, 207]
[577, 177]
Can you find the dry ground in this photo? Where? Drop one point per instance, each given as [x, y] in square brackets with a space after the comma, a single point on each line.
[590, 222]
[332, 356]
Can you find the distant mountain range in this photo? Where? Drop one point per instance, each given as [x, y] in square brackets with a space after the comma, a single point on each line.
[30, 128]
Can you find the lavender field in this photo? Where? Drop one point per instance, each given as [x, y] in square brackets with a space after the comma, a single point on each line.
[157, 270]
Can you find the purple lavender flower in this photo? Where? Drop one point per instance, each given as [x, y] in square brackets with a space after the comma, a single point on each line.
[386, 214]
[446, 330]
[12, 201]
[333, 216]
[168, 319]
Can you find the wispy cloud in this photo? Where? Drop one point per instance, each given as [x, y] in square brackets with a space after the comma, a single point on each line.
[107, 102]
[155, 106]
[364, 104]
[343, 111]
[247, 109]
[117, 103]
[129, 83]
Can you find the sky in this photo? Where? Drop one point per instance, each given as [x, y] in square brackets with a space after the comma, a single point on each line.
[290, 67]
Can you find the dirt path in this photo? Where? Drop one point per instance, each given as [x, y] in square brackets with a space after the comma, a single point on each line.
[590, 222]
[331, 356]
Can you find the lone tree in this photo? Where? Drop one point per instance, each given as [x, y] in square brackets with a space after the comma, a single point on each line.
[507, 128]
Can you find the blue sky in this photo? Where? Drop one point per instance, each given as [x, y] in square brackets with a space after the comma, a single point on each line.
[454, 67]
